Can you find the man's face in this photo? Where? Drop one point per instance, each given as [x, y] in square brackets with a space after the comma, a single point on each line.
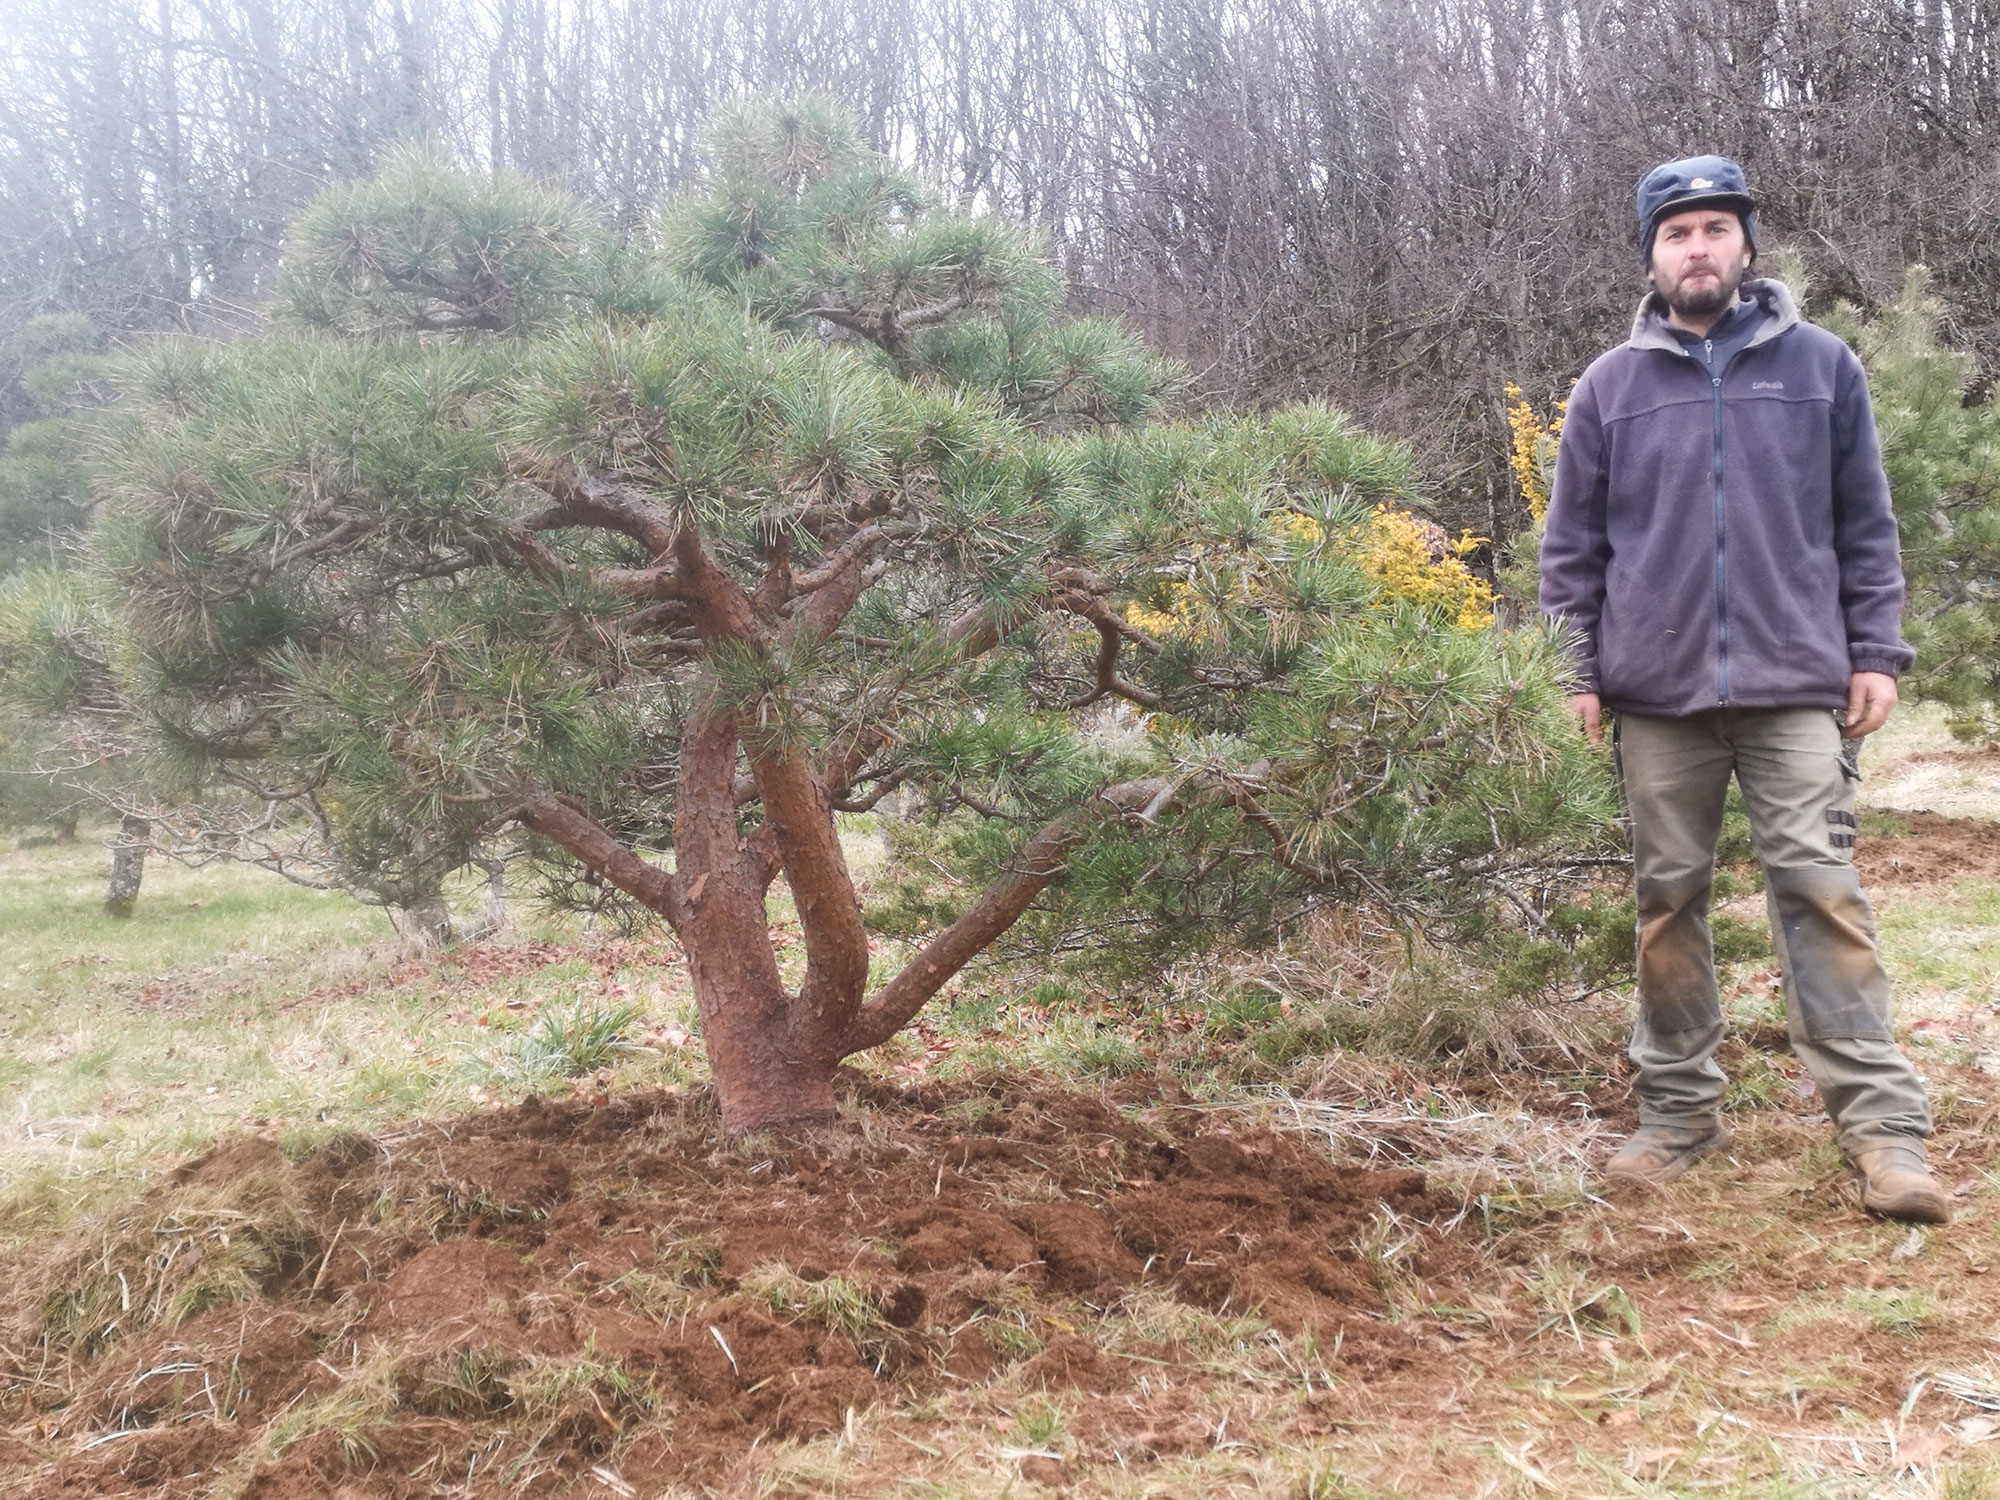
[1699, 259]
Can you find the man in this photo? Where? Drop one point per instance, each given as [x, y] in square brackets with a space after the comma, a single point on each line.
[1720, 540]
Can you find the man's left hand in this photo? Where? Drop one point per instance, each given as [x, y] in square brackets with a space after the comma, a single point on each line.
[1870, 697]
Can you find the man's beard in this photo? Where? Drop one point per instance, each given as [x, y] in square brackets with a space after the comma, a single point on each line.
[1705, 298]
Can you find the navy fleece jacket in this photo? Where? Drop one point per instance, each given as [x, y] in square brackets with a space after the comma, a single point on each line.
[1723, 537]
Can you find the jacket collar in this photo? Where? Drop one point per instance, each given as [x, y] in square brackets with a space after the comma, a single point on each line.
[1650, 330]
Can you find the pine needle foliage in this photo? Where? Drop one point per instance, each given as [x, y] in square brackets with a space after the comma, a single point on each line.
[423, 246]
[811, 229]
[51, 383]
[685, 547]
[1941, 448]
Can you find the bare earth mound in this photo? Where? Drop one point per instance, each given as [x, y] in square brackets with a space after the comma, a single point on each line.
[502, 1303]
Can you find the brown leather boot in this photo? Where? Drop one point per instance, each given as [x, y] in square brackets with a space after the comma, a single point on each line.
[1897, 1185]
[1657, 1154]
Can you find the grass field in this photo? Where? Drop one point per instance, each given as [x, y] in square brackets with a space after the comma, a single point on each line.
[243, 1124]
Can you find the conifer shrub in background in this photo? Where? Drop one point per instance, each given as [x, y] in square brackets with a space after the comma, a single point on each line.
[669, 551]
[57, 751]
[55, 366]
[1941, 447]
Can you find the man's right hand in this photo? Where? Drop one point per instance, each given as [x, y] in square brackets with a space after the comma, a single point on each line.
[1589, 713]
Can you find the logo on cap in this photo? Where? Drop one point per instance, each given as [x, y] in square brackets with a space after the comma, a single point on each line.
[1702, 182]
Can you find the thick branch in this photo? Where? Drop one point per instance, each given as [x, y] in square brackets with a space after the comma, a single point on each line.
[846, 756]
[1090, 604]
[589, 501]
[992, 914]
[839, 560]
[760, 856]
[884, 785]
[600, 850]
[705, 836]
[808, 846]
[977, 632]
[1112, 640]
[1076, 589]
[833, 598]
[841, 317]
[936, 312]
[642, 583]
[722, 608]
[542, 560]
[776, 586]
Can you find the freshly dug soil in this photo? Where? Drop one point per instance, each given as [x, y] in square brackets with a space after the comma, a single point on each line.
[498, 1303]
[1931, 850]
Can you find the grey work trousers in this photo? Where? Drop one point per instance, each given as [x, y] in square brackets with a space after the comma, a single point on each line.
[1798, 786]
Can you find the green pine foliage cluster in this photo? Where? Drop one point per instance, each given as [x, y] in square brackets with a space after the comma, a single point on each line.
[55, 698]
[332, 549]
[1337, 741]
[57, 741]
[55, 380]
[810, 229]
[1941, 448]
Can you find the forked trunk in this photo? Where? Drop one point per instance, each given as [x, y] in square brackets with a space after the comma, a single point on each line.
[767, 1068]
[773, 1052]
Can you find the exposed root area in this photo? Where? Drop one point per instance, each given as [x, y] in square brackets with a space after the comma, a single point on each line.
[505, 1302]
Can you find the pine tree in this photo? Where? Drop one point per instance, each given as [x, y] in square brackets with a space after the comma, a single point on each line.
[59, 751]
[672, 550]
[1941, 448]
[58, 363]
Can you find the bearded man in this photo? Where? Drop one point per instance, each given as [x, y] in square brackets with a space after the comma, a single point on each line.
[1720, 541]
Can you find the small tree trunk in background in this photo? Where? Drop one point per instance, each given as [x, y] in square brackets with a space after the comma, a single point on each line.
[65, 826]
[425, 925]
[128, 865]
[494, 917]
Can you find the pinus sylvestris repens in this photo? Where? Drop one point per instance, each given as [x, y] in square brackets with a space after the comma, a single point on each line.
[672, 548]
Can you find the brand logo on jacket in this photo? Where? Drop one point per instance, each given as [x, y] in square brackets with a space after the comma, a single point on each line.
[1767, 385]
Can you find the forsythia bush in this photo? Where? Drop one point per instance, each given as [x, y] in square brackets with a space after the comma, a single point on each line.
[1410, 561]
[1414, 561]
[1533, 449]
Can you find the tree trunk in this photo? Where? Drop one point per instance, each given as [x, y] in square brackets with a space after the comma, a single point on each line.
[772, 1066]
[764, 1078]
[758, 1086]
[426, 925]
[128, 865]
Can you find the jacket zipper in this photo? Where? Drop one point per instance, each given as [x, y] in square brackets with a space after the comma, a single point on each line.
[1721, 537]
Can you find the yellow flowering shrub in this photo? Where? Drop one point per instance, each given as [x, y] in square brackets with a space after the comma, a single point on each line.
[1532, 448]
[1415, 562]
[1176, 619]
[1410, 560]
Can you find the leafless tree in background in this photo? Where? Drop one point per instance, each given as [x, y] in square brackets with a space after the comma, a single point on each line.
[1399, 204]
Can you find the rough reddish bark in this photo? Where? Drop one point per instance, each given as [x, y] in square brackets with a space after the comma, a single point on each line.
[773, 1052]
